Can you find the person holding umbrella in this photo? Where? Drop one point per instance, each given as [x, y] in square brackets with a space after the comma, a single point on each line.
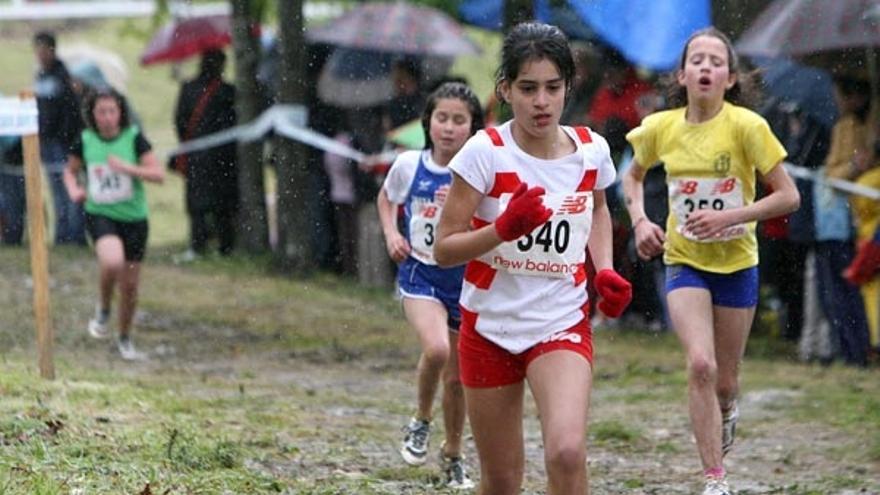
[524, 299]
[712, 151]
[206, 105]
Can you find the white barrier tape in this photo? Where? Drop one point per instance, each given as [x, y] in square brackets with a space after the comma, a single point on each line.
[840, 184]
[244, 132]
[283, 119]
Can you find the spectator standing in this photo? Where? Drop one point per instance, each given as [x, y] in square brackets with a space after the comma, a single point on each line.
[60, 123]
[786, 241]
[841, 301]
[409, 100]
[206, 105]
[12, 191]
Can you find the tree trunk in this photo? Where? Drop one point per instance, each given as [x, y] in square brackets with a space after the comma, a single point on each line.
[517, 11]
[253, 232]
[294, 252]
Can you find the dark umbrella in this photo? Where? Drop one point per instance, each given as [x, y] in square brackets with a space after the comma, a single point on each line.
[810, 88]
[802, 27]
[395, 28]
[183, 38]
[362, 78]
[838, 34]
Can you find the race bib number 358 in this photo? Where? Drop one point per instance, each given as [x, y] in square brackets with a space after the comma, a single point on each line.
[690, 195]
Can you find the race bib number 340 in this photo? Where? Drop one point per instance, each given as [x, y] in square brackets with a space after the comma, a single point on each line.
[690, 195]
[554, 249]
[107, 186]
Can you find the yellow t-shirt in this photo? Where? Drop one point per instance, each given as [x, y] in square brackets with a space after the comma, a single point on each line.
[716, 160]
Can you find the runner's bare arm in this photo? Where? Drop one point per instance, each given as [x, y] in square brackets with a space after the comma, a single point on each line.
[76, 192]
[783, 198]
[456, 243]
[149, 168]
[599, 243]
[649, 237]
[397, 247]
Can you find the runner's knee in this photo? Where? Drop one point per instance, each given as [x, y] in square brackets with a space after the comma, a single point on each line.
[503, 481]
[702, 370]
[436, 354]
[568, 457]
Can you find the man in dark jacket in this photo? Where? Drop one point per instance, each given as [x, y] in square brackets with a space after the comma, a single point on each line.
[207, 105]
[60, 123]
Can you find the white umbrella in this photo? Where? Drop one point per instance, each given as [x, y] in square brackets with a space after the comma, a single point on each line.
[79, 56]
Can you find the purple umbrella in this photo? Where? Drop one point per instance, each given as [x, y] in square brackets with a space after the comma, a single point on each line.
[396, 28]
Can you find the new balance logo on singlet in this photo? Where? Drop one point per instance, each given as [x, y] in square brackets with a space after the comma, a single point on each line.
[572, 337]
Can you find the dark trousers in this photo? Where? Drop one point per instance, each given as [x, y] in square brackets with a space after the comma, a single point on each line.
[70, 217]
[345, 218]
[206, 224]
[783, 263]
[842, 301]
[12, 207]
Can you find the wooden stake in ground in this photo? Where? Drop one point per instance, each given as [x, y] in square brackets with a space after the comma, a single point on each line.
[19, 117]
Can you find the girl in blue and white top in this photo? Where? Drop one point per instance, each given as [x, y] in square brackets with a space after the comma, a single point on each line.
[419, 180]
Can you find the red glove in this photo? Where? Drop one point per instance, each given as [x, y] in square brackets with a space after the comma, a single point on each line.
[615, 291]
[865, 264]
[524, 213]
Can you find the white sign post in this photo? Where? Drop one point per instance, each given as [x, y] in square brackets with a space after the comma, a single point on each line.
[18, 117]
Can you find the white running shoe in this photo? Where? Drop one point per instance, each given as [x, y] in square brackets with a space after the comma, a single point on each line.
[716, 487]
[728, 429]
[415, 444]
[98, 323]
[127, 350]
[456, 472]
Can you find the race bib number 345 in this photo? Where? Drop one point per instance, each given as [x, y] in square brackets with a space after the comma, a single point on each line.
[107, 186]
[690, 195]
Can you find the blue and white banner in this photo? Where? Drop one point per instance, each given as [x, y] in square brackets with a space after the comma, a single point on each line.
[18, 117]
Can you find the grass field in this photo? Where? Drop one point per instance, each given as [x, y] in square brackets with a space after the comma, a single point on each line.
[260, 384]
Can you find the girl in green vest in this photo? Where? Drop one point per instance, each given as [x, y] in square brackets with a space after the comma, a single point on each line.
[117, 159]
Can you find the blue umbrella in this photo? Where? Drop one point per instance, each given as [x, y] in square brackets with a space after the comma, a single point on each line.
[489, 14]
[810, 88]
[649, 33]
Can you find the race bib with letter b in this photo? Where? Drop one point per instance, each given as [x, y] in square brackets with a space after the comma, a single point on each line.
[690, 195]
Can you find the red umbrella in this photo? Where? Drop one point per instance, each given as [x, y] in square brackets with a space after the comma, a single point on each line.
[183, 38]
[395, 27]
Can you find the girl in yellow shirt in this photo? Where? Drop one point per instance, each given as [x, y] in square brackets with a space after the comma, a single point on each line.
[712, 151]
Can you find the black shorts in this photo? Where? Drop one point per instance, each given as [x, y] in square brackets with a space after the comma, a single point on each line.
[132, 234]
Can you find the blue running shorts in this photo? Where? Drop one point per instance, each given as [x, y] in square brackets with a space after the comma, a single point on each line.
[734, 290]
[420, 281]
